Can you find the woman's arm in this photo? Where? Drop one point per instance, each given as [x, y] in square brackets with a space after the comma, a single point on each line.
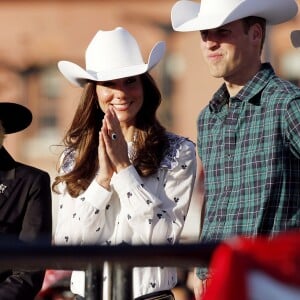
[156, 209]
[81, 220]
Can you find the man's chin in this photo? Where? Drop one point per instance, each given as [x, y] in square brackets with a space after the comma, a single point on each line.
[216, 73]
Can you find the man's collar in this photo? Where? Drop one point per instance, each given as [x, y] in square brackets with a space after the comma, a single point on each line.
[6, 161]
[248, 93]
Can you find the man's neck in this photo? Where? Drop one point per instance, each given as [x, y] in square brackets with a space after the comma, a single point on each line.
[233, 89]
[235, 83]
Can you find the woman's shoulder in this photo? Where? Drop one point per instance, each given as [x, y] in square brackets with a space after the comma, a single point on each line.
[178, 147]
[175, 139]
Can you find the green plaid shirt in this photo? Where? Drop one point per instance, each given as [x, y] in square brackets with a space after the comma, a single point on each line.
[250, 152]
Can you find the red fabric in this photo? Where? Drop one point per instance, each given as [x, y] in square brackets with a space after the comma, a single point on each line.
[51, 278]
[278, 257]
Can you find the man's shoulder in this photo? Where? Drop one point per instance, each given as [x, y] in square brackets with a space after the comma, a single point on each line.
[205, 112]
[28, 170]
[267, 82]
[280, 86]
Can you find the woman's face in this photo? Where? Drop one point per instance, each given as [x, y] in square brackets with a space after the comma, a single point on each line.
[125, 95]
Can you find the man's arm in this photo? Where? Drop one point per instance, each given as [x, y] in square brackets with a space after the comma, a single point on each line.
[36, 225]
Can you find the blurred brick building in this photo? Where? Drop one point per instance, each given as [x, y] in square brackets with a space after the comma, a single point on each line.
[35, 34]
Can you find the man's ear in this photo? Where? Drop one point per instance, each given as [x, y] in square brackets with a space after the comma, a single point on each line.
[256, 33]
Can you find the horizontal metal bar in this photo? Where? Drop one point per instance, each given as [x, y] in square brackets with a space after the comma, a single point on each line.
[40, 255]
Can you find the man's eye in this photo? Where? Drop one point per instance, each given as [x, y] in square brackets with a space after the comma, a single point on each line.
[204, 34]
[223, 32]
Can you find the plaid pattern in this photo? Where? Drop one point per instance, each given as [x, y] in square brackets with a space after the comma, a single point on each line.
[250, 152]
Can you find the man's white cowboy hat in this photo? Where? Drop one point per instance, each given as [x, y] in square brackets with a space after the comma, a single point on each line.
[14, 117]
[191, 16]
[111, 55]
[295, 38]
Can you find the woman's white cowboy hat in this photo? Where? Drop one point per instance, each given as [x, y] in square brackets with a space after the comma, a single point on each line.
[111, 55]
[295, 38]
[191, 16]
[14, 117]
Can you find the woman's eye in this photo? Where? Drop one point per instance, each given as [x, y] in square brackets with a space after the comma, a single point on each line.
[131, 80]
[107, 83]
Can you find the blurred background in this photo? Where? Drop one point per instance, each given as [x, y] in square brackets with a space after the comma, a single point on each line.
[36, 34]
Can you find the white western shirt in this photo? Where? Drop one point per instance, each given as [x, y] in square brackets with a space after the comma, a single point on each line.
[137, 210]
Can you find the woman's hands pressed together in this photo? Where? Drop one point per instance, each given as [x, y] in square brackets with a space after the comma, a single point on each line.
[112, 150]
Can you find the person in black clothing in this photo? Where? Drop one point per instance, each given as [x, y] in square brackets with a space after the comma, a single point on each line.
[25, 206]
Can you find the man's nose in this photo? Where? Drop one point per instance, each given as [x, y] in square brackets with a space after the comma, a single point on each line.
[211, 40]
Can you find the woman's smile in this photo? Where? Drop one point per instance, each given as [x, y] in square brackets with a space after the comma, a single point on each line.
[121, 107]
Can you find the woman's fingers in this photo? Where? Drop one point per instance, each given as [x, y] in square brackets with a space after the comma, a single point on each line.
[105, 167]
[112, 121]
[114, 141]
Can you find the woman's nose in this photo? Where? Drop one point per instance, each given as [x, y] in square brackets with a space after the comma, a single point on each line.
[120, 92]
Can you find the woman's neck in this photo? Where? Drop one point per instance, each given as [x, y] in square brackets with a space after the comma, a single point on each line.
[128, 132]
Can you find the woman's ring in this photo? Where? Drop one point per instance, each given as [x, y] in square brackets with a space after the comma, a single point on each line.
[113, 136]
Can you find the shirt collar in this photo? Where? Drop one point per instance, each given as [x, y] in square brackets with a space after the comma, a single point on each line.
[6, 161]
[249, 93]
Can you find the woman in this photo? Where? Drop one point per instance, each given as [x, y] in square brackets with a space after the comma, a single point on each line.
[123, 178]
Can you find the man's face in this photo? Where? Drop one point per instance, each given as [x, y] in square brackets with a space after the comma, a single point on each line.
[229, 51]
[1, 134]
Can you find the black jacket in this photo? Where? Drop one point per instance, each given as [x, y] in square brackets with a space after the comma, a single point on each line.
[25, 214]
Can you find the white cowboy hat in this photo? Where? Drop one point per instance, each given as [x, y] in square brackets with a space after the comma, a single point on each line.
[295, 38]
[111, 55]
[191, 16]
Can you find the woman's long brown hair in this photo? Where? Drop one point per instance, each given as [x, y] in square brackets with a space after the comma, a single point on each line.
[83, 137]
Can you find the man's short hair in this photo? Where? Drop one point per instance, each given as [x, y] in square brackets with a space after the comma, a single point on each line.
[250, 21]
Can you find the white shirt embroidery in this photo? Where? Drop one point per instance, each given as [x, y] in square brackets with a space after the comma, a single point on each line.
[2, 188]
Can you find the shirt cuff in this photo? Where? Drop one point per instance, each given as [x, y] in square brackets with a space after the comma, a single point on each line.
[127, 177]
[96, 195]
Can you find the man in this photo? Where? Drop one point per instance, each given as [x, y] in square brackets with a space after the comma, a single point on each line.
[25, 206]
[249, 134]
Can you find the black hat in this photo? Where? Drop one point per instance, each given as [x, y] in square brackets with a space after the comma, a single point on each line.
[295, 38]
[14, 117]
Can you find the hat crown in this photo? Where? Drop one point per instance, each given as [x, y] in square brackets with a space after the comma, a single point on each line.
[191, 16]
[217, 7]
[111, 50]
[111, 55]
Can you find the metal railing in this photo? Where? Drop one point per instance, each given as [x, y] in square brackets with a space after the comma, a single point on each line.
[121, 259]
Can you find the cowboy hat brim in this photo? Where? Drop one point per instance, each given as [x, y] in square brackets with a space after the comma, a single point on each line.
[78, 76]
[188, 16]
[14, 117]
[295, 38]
